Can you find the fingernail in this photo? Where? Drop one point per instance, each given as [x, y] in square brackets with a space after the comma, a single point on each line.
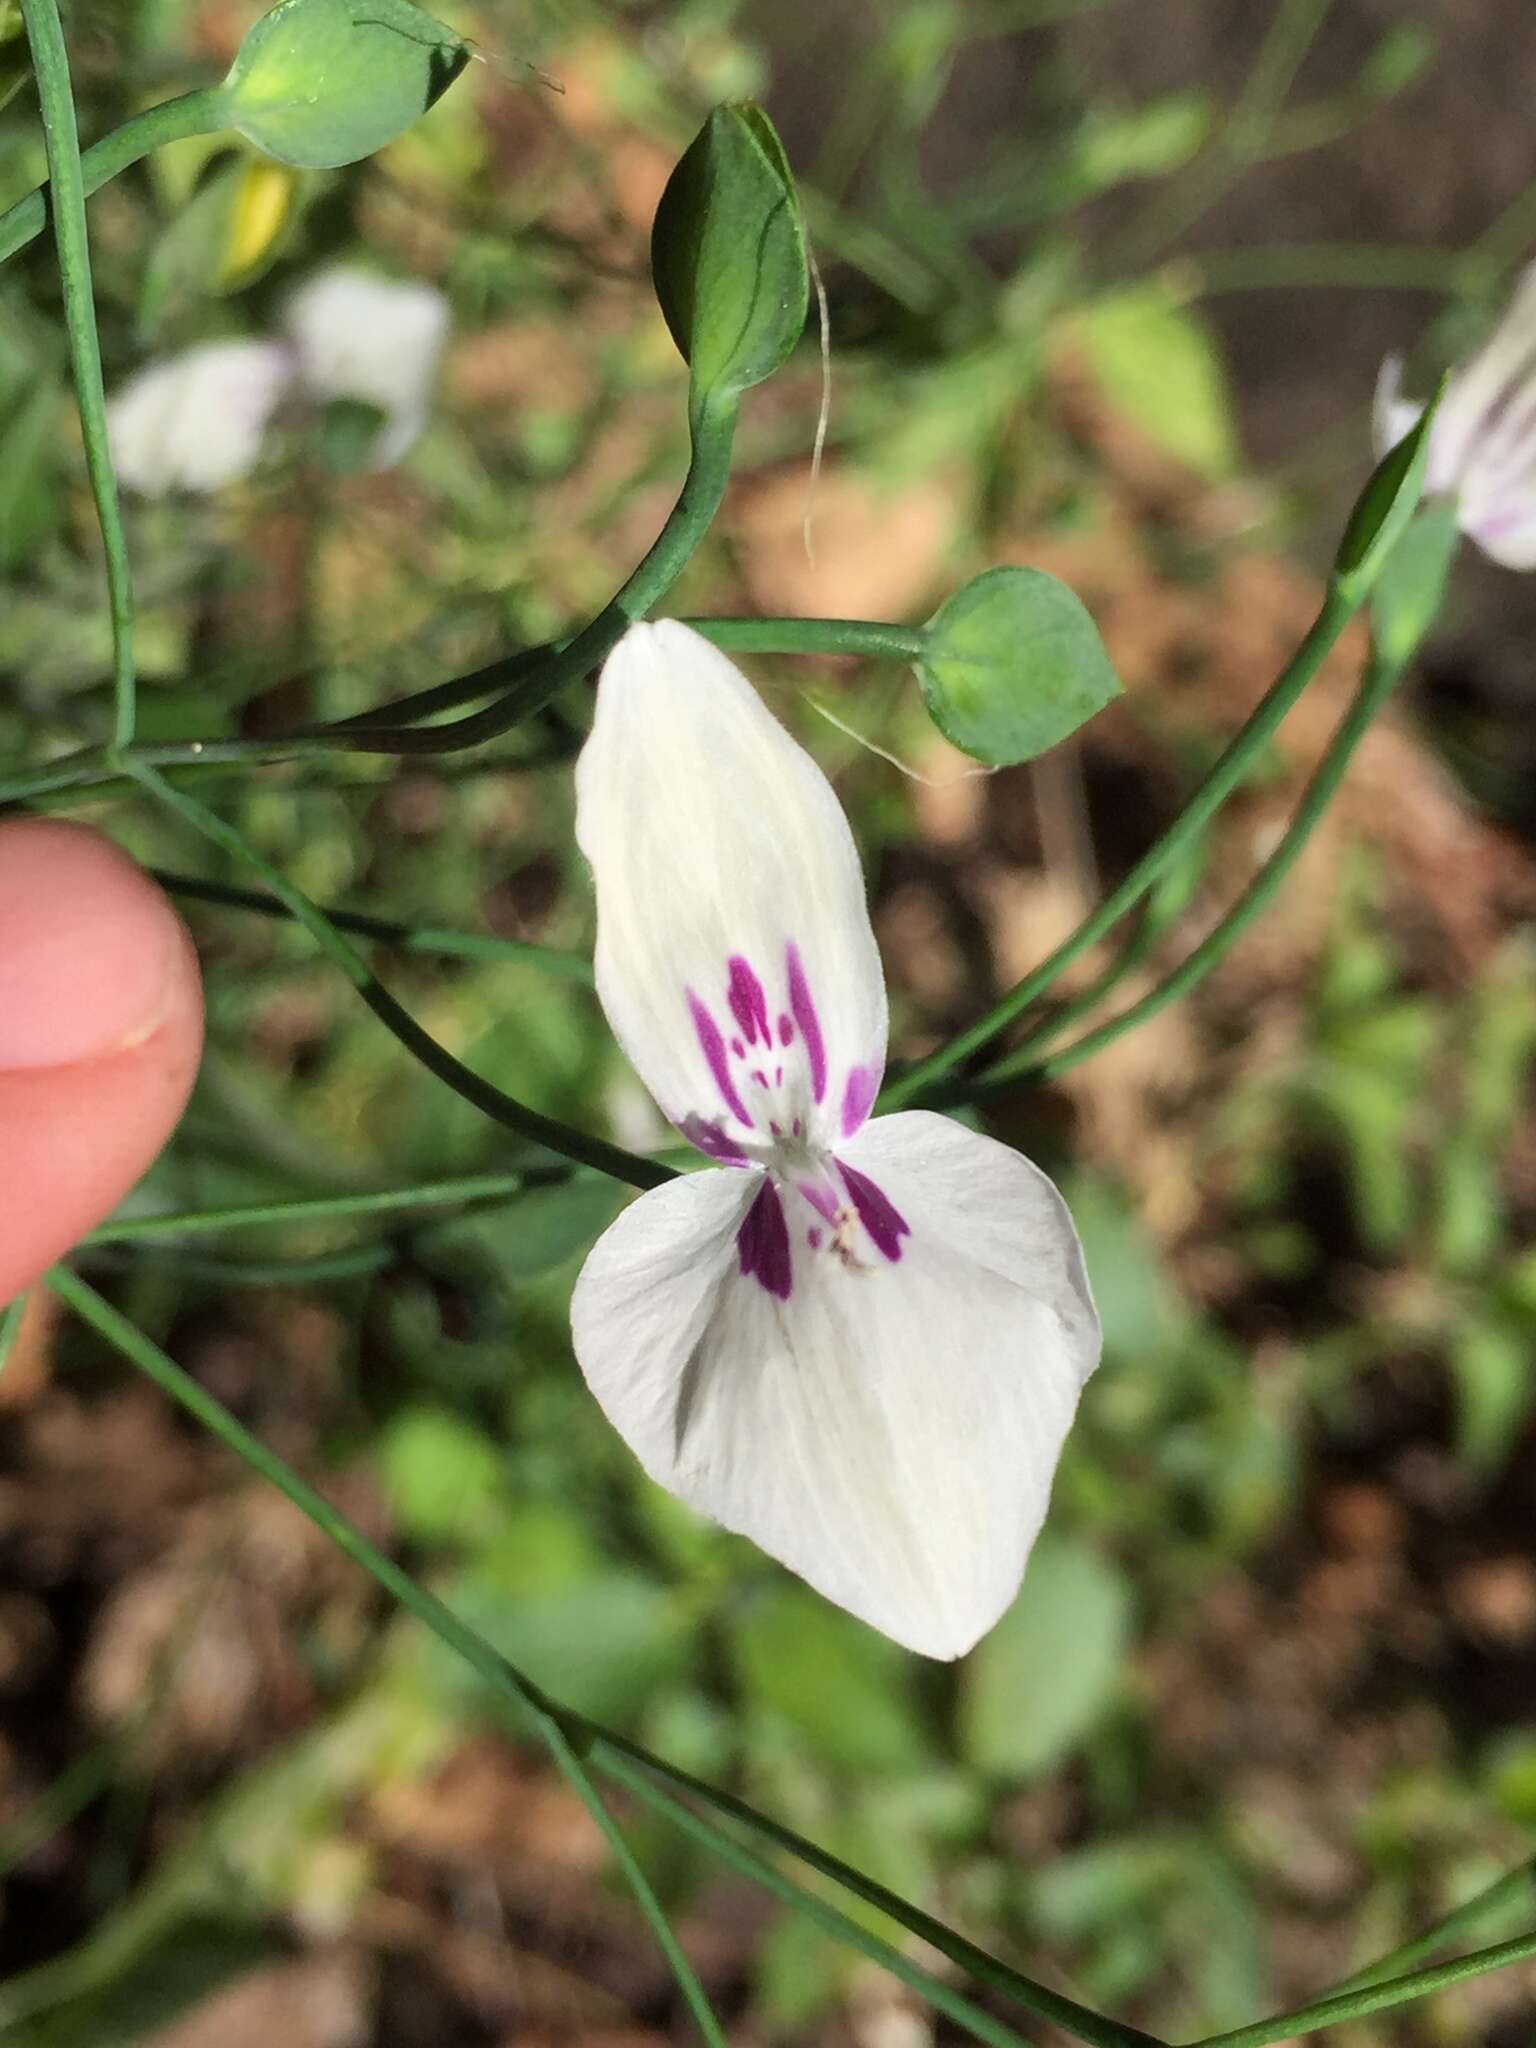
[88, 947]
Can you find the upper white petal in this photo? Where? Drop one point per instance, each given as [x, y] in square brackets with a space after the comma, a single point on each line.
[371, 338]
[715, 839]
[1481, 390]
[196, 421]
[890, 1429]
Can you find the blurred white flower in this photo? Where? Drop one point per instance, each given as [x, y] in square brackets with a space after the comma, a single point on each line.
[370, 338]
[195, 421]
[1482, 446]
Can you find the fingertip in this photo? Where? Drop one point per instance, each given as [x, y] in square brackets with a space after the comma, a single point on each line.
[101, 1023]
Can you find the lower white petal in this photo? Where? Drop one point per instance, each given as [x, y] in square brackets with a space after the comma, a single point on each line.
[882, 1413]
[195, 422]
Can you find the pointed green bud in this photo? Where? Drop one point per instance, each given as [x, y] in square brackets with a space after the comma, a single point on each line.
[1384, 508]
[319, 83]
[728, 254]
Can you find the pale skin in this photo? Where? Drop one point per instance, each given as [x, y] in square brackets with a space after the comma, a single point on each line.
[101, 1027]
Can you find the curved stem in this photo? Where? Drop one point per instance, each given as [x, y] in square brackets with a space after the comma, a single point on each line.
[471, 1188]
[50, 63]
[429, 940]
[574, 1739]
[1380, 677]
[1338, 608]
[1353, 2005]
[191, 113]
[1517, 1884]
[504, 1109]
[530, 687]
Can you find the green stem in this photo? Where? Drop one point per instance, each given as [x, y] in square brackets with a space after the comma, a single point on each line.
[122, 1335]
[1380, 677]
[93, 769]
[476, 1187]
[531, 687]
[50, 64]
[429, 940]
[504, 1109]
[1338, 608]
[607, 1747]
[1354, 2005]
[1517, 1884]
[1149, 928]
[354, 1262]
[192, 113]
[579, 1739]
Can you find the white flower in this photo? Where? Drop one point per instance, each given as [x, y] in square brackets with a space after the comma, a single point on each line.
[195, 421]
[1482, 445]
[859, 1343]
[366, 337]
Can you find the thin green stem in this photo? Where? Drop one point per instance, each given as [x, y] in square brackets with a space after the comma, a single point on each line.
[354, 1262]
[530, 687]
[1337, 610]
[50, 64]
[430, 940]
[504, 1109]
[1369, 1998]
[647, 1776]
[607, 1749]
[1380, 677]
[1148, 929]
[308, 1209]
[93, 769]
[1517, 1885]
[192, 113]
[122, 1335]
[10, 1328]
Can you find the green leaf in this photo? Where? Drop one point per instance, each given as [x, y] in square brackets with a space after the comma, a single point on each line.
[443, 1478]
[1014, 665]
[31, 497]
[1156, 360]
[606, 1645]
[1411, 584]
[1039, 1682]
[845, 1690]
[542, 1229]
[1491, 1364]
[728, 254]
[320, 83]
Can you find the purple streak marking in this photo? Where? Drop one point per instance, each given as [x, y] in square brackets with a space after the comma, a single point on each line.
[760, 1077]
[710, 1138]
[859, 1092]
[786, 1031]
[778, 1077]
[762, 1244]
[749, 1006]
[738, 1048]
[813, 1239]
[712, 1046]
[821, 1196]
[803, 1004]
[876, 1211]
